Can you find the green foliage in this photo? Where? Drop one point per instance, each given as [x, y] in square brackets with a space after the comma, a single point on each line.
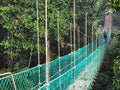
[116, 69]
[104, 79]
[18, 19]
[114, 47]
[18, 22]
[116, 19]
[108, 78]
[114, 4]
[114, 54]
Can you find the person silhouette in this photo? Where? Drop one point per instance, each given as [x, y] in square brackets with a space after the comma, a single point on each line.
[105, 35]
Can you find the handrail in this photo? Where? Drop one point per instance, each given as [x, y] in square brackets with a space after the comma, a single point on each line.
[9, 73]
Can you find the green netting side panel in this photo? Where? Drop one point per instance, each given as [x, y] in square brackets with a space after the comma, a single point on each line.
[63, 81]
[67, 62]
[31, 77]
[81, 63]
[28, 79]
[100, 52]
[97, 62]
[24, 80]
[42, 74]
[60, 83]
[54, 68]
[6, 83]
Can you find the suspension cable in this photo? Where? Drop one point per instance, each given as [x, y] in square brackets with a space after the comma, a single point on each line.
[92, 39]
[38, 33]
[78, 38]
[85, 36]
[46, 45]
[58, 35]
[38, 42]
[96, 49]
[71, 36]
[59, 46]
[71, 43]
[96, 40]
[74, 36]
[86, 28]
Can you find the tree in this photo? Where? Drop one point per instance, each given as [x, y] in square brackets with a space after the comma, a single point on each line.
[114, 4]
[18, 27]
[115, 52]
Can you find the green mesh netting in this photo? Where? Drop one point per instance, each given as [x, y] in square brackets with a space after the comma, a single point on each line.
[59, 79]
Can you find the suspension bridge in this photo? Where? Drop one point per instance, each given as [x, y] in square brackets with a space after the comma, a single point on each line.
[75, 71]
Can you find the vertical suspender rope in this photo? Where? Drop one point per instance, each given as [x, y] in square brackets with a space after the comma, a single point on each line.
[71, 36]
[38, 33]
[74, 37]
[71, 42]
[46, 44]
[87, 45]
[59, 47]
[98, 53]
[92, 45]
[85, 39]
[78, 38]
[86, 31]
[96, 48]
[99, 36]
[58, 35]
[99, 41]
[92, 41]
[86, 26]
[38, 43]
[96, 39]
